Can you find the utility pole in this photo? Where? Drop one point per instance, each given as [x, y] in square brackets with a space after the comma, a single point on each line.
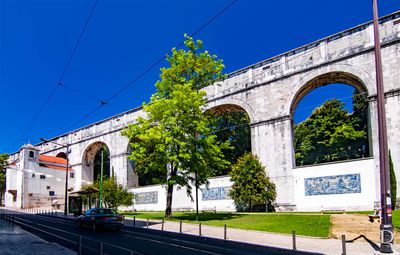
[386, 207]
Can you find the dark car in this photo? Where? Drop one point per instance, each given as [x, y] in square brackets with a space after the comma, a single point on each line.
[97, 218]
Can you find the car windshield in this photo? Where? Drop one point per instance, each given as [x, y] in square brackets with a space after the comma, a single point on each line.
[105, 211]
[101, 211]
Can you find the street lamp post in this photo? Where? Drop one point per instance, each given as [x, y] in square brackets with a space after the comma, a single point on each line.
[386, 207]
[66, 173]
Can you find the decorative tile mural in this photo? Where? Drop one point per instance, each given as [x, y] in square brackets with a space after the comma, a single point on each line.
[329, 185]
[146, 197]
[215, 193]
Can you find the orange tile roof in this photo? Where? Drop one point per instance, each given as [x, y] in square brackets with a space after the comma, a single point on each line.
[55, 163]
[51, 159]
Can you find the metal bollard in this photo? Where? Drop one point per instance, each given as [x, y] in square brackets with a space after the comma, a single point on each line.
[225, 232]
[134, 221]
[343, 245]
[79, 245]
[147, 223]
[200, 229]
[101, 248]
[162, 224]
[294, 239]
[180, 227]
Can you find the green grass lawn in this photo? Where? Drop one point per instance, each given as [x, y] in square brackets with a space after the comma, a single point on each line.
[303, 223]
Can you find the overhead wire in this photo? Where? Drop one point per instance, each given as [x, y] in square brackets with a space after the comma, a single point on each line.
[62, 74]
[148, 69]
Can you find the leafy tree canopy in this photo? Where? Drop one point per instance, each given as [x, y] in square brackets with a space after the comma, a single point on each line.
[175, 140]
[114, 194]
[3, 164]
[250, 182]
[332, 134]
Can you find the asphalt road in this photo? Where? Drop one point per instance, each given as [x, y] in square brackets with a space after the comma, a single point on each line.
[138, 241]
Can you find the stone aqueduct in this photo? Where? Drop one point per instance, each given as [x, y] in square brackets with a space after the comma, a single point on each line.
[269, 91]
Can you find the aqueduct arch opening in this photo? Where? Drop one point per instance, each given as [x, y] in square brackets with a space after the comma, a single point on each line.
[232, 123]
[95, 157]
[357, 115]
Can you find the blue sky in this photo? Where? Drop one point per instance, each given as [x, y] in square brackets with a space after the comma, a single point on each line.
[124, 37]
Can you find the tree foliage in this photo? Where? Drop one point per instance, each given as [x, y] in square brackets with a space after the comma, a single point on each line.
[235, 128]
[3, 165]
[332, 134]
[175, 140]
[114, 194]
[393, 182]
[250, 182]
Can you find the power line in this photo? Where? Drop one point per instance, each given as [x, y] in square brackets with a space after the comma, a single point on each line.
[158, 61]
[62, 74]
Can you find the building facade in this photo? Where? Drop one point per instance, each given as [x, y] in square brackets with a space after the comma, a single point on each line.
[37, 181]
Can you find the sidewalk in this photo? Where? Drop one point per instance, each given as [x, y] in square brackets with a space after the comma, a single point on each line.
[16, 241]
[319, 245]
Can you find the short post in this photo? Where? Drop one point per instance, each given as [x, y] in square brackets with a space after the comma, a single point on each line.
[294, 239]
[199, 228]
[79, 245]
[162, 224]
[343, 244]
[180, 227]
[101, 248]
[131, 252]
[225, 232]
[134, 221]
[147, 224]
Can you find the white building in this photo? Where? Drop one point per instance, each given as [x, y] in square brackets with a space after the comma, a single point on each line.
[35, 180]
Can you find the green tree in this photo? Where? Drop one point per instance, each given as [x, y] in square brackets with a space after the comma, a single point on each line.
[329, 134]
[393, 182]
[114, 194]
[250, 182]
[175, 139]
[3, 165]
[233, 127]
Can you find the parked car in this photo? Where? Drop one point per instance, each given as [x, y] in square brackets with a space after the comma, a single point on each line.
[97, 218]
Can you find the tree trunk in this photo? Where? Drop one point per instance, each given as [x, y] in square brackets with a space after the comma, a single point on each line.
[168, 210]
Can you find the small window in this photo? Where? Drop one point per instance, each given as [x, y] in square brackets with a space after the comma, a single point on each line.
[30, 194]
[51, 193]
[31, 154]
[33, 175]
[42, 176]
[48, 187]
[71, 175]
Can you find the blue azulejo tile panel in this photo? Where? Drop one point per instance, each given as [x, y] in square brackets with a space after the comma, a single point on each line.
[215, 193]
[335, 184]
[146, 197]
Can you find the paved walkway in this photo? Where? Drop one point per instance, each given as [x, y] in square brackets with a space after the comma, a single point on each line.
[16, 241]
[318, 245]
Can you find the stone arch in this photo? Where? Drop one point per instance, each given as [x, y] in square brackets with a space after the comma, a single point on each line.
[234, 104]
[61, 155]
[90, 162]
[234, 127]
[352, 75]
[318, 79]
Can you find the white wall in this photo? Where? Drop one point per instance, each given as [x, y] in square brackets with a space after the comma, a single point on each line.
[156, 197]
[350, 201]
